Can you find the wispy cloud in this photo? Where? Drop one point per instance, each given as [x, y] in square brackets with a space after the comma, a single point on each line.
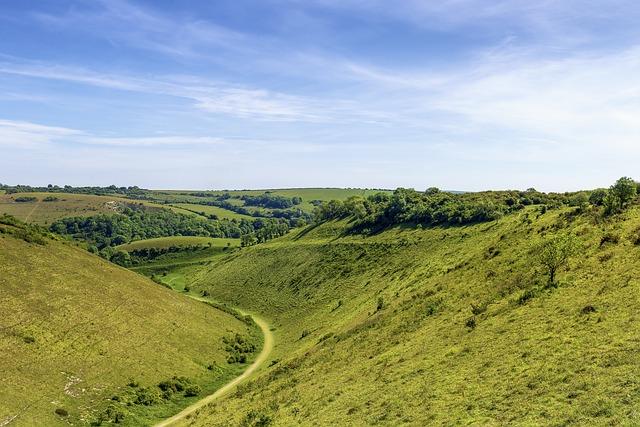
[29, 135]
[208, 96]
[125, 22]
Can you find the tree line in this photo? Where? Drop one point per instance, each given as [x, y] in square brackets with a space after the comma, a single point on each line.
[139, 222]
[437, 208]
[132, 191]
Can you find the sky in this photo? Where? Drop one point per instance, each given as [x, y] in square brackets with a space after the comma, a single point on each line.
[231, 94]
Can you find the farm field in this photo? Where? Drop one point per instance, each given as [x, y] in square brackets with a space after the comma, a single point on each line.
[307, 194]
[211, 210]
[62, 205]
[83, 330]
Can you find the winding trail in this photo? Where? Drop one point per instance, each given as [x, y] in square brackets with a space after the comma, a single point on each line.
[262, 357]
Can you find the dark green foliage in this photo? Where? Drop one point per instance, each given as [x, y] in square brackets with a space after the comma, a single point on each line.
[431, 208]
[588, 309]
[50, 199]
[147, 396]
[238, 347]
[597, 197]
[479, 308]
[471, 323]
[526, 296]
[269, 200]
[620, 195]
[380, 304]
[192, 390]
[137, 222]
[179, 385]
[62, 412]
[26, 199]
[611, 238]
[554, 253]
[133, 192]
[30, 233]
[256, 418]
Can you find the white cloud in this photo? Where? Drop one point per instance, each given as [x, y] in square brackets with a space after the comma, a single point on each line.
[21, 134]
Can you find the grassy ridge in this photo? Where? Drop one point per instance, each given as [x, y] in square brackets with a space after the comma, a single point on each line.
[81, 328]
[440, 326]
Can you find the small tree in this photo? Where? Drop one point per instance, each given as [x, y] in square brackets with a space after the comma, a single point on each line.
[597, 197]
[619, 195]
[554, 253]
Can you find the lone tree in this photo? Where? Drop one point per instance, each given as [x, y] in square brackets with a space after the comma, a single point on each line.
[554, 253]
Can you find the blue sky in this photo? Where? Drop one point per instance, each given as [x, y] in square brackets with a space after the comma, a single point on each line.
[459, 94]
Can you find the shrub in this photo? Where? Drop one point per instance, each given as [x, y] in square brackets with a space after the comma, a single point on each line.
[256, 418]
[588, 309]
[526, 296]
[147, 396]
[479, 309]
[192, 390]
[114, 414]
[380, 304]
[62, 412]
[609, 238]
[597, 197]
[471, 323]
[26, 199]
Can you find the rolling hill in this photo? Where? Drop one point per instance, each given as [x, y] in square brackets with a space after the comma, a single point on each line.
[439, 326]
[85, 341]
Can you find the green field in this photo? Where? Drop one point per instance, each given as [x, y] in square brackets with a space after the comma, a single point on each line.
[66, 205]
[81, 329]
[211, 210]
[308, 195]
[166, 242]
[442, 326]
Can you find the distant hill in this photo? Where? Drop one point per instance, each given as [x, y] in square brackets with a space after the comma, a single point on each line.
[83, 340]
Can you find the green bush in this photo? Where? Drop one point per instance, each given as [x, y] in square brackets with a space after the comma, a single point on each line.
[62, 412]
[256, 418]
[26, 199]
[192, 390]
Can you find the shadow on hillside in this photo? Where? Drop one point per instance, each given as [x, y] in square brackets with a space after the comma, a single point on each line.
[305, 231]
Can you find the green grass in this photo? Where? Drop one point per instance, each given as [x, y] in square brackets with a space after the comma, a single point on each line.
[307, 194]
[567, 356]
[166, 242]
[76, 329]
[211, 210]
[66, 205]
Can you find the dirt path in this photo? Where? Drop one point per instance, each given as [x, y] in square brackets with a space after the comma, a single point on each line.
[36, 206]
[262, 357]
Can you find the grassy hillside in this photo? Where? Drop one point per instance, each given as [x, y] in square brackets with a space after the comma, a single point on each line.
[80, 337]
[44, 208]
[442, 326]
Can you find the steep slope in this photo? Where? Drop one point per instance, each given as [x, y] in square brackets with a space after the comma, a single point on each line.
[440, 326]
[76, 331]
